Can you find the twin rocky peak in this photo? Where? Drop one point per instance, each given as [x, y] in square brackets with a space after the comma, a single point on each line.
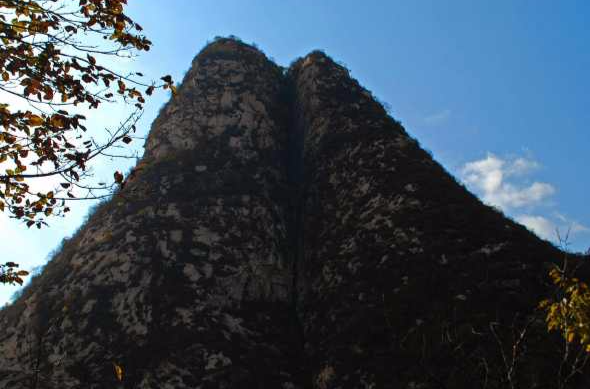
[282, 232]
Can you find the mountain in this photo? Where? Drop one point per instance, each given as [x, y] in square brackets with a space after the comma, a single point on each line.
[283, 231]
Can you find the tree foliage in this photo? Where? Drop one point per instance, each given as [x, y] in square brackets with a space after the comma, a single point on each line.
[569, 312]
[52, 66]
[9, 273]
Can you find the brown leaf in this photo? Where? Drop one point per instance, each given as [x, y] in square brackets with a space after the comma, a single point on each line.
[35, 120]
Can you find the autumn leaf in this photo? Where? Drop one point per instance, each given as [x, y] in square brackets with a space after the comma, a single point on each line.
[568, 314]
[118, 371]
[57, 121]
[48, 93]
[35, 120]
[570, 337]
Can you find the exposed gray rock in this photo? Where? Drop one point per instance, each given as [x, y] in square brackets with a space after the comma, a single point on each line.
[182, 279]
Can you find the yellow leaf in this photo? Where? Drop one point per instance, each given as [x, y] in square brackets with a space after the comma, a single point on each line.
[118, 371]
[19, 25]
[35, 120]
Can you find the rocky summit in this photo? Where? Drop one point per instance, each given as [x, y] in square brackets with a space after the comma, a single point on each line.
[283, 231]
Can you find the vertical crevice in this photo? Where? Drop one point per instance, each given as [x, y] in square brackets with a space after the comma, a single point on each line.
[295, 200]
[295, 180]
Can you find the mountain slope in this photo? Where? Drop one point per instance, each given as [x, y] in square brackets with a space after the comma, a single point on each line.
[407, 275]
[282, 231]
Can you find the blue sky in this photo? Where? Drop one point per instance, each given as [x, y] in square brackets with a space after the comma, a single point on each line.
[497, 91]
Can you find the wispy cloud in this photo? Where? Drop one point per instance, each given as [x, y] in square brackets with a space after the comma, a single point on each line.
[493, 178]
[437, 118]
[572, 226]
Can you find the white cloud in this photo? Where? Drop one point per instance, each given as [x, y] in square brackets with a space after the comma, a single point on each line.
[437, 118]
[553, 228]
[539, 225]
[502, 182]
[490, 176]
[522, 166]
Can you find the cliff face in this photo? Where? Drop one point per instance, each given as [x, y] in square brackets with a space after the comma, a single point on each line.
[281, 231]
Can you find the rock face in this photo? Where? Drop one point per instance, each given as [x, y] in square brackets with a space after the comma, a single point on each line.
[282, 231]
[184, 278]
